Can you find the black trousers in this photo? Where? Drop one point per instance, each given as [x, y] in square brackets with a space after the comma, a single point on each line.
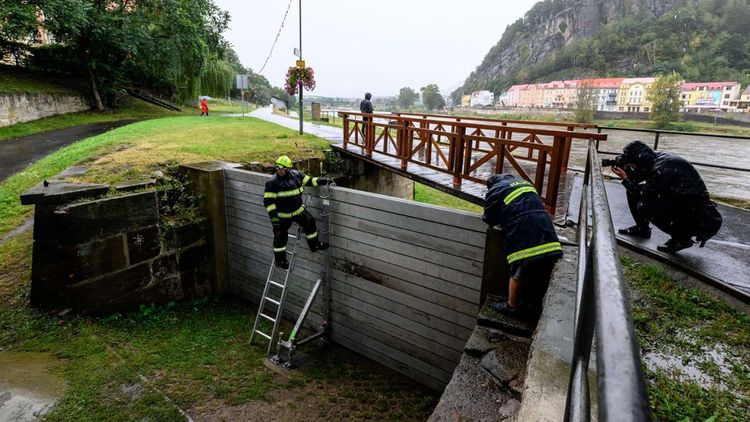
[673, 215]
[281, 236]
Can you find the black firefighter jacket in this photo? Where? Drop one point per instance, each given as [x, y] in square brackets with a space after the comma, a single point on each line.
[514, 204]
[283, 195]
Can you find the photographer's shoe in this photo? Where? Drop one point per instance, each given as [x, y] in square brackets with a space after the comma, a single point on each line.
[636, 231]
[674, 245]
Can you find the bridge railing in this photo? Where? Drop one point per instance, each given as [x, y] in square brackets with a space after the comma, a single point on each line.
[602, 305]
[467, 150]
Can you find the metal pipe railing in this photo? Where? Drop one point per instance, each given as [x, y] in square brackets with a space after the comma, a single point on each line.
[602, 306]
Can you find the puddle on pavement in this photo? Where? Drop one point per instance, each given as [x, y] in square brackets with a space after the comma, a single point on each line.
[28, 387]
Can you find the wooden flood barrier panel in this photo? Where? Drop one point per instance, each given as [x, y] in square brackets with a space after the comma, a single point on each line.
[405, 277]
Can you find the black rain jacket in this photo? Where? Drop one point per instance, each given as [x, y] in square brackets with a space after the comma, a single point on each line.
[283, 195]
[664, 174]
[514, 204]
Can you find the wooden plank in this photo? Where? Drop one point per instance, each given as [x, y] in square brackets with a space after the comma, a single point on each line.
[429, 228]
[468, 221]
[402, 279]
[405, 249]
[415, 266]
[436, 356]
[447, 320]
[397, 320]
[388, 356]
[475, 253]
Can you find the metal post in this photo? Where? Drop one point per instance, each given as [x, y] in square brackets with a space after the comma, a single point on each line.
[301, 114]
[656, 140]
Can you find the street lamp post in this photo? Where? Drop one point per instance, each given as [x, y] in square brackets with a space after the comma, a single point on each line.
[301, 115]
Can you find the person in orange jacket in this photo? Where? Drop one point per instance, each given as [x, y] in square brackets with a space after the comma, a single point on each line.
[204, 107]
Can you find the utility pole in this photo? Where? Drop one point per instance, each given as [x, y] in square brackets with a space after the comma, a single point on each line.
[301, 115]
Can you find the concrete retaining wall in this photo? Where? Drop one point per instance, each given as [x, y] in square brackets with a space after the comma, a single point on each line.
[406, 277]
[24, 107]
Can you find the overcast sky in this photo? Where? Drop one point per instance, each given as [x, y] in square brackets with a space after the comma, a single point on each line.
[377, 45]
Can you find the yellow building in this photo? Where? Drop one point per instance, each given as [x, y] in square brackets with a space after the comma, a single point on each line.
[466, 101]
[632, 96]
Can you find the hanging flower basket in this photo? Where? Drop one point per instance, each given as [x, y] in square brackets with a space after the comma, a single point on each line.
[297, 75]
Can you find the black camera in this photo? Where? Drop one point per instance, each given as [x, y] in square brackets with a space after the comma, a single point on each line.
[618, 161]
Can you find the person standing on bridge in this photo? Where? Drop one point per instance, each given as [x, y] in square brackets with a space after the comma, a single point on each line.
[666, 190]
[283, 201]
[531, 245]
[365, 106]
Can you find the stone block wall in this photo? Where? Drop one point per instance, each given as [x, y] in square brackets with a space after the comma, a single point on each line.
[108, 255]
[24, 107]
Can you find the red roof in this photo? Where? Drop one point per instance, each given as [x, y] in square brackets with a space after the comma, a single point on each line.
[711, 86]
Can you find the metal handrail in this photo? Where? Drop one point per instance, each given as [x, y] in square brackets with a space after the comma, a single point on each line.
[602, 304]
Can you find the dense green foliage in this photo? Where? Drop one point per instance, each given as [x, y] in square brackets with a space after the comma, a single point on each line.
[174, 47]
[665, 97]
[707, 42]
[406, 97]
[431, 97]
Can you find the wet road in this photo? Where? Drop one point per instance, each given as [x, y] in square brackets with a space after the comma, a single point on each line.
[17, 154]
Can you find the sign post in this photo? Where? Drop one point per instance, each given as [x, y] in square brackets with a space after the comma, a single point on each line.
[242, 84]
[301, 115]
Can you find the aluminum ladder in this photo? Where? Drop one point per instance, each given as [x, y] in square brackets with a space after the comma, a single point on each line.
[291, 344]
[277, 300]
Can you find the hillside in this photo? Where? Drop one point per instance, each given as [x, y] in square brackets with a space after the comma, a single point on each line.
[701, 39]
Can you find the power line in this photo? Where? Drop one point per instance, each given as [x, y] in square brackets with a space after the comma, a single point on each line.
[278, 34]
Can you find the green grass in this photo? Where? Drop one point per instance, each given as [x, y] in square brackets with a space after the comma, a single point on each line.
[428, 195]
[136, 150]
[131, 109]
[686, 323]
[221, 106]
[195, 352]
[18, 80]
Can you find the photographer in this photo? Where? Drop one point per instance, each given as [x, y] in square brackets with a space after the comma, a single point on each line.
[666, 190]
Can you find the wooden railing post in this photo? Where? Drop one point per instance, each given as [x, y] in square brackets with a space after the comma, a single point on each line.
[566, 150]
[405, 143]
[346, 129]
[555, 171]
[457, 153]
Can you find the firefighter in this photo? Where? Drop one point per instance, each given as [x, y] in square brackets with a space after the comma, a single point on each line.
[666, 190]
[531, 245]
[283, 201]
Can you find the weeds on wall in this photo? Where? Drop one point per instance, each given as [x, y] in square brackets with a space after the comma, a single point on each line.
[177, 203]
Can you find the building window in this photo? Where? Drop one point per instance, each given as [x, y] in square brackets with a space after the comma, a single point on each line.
[726, 97]
[645, 109]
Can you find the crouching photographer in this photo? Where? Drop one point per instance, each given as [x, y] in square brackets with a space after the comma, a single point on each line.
[665, 189]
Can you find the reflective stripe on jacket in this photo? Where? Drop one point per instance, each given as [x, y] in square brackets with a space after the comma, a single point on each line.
[514, 204]
[283, 195]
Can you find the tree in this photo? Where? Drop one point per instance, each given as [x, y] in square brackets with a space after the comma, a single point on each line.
[431, 97]
[586, 102]
[173, 46]
[406, 97]
[665, 99]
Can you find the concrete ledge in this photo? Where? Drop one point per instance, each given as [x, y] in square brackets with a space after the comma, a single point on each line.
[546, 386]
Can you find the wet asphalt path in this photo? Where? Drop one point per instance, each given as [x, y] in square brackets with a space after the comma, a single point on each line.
[19, 153]
[725, 258]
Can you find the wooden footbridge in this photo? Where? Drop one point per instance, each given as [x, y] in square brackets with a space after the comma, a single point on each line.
[458, 154]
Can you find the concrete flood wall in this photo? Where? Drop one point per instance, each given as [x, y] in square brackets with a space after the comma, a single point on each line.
[24, 107]
[405, 277]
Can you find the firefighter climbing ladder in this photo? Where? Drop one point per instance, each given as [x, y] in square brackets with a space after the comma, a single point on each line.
[275, 294]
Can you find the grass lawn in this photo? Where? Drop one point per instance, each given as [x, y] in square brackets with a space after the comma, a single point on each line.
[14, 79]
[428, 195]
[130, 152]
[131, 109]
[698, 335]
[197, 354]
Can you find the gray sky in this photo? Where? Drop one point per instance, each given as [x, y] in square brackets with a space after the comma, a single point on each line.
[377, 46]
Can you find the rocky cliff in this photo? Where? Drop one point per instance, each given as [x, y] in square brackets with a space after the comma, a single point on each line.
[549, 28]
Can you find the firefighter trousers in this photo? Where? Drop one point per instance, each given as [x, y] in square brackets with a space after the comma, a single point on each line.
[281, 234]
